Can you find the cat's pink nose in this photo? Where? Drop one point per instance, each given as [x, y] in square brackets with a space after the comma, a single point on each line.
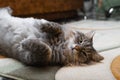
[77, 47]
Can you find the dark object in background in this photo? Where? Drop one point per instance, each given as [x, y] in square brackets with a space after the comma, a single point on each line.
[88, 9]
[47, 9]
[110, 11]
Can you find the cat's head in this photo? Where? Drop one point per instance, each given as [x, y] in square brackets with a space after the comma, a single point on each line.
[82, 47]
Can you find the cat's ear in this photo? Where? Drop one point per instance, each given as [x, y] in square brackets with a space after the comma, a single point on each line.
[90, 34]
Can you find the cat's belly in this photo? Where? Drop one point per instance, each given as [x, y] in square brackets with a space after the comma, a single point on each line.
[57, 55]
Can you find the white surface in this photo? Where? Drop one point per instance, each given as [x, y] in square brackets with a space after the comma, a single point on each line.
[99, 71]
[13, 65]
[107, 39]
[93, 24]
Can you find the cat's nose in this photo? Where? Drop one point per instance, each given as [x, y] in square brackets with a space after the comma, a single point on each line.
[77, 47]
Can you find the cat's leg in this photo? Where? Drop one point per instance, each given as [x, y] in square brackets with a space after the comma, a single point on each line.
[52, 28]
[34, 52]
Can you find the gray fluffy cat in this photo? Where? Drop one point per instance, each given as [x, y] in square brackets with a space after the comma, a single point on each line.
[39, 42]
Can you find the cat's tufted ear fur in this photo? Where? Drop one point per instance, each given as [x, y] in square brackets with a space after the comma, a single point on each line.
[90, 34]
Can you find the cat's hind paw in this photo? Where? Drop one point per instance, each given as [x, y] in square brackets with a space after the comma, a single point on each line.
[40, 52]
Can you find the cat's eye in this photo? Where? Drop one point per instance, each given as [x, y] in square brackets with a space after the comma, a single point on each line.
[80, 41]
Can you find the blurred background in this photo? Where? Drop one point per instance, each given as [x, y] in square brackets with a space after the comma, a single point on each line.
[65, 10]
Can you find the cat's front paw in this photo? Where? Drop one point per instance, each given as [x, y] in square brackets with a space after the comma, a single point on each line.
[97, 57]
[52, 27]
